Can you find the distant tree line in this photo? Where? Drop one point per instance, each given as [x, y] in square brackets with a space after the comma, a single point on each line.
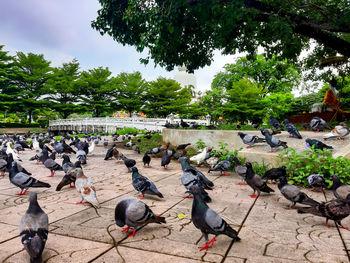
[247, 90]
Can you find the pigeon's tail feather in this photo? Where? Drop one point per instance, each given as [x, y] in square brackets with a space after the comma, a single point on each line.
[309, 210]
[57, 167]
[159, 194]
[33, 158]
[284, 145]
[229, 231]
[329, 147]
[41, 184]
[308, 201]
[260, 140]
[157, 219]
[266, 189]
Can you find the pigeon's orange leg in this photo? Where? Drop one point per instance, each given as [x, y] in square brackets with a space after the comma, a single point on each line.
[141, 197]
[52, 174]
[206, 247]
[326, 224]
[253, 196]
[346, 228]
[211, 242]
[133, 233]
[126, 229]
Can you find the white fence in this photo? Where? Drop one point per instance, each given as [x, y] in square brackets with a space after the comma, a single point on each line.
[109, 124]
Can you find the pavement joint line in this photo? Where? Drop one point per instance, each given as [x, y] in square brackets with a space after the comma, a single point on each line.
[239, 229]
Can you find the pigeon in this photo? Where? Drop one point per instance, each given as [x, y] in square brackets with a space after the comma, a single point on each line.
[184, 124]
[50, 164]
[317, 124]
[9, 150]
[134, 213]
[275, 173]
[66, 163]
[34, 229]
[293, 194]
[105, 142]
[340, 190]
[273, 141]
[3, 167]
[81, 154]
[275, 123]
[204, 181]
[240, 170]
[190, 177]
[291, 129]
[256, 182]
[165, 160]
[86, 189]
[58, 147]
[70, 176]
[199, 158]
[136, 148]
[109, 153]
[222, 166]
[339, 132]
[143, 185]
[129, 163]
[23, 180]
[67, 148]
[208, 221]
[250, 139]
[92, 148]
[212, 161]
[146, 160]
[336, 210]
[270, 131]
[19, 167]
[182, 146]
[316, 180]
[18, 147]
[318, 145]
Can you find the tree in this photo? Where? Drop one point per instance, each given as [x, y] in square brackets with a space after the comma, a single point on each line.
[279, 105]
[243, 102]
[62, 88]
[8, 91]
[212, 102]
[270, 75]
[128, 91]
[32, 73]
[165, 96]
[95, 90]
[188, 32]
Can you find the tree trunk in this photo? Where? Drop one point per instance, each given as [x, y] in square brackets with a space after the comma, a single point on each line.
[30, 116]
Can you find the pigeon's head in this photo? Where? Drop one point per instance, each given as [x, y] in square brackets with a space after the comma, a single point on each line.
[134, 169]
[248, 165]
[65, 157]
[13, 164]
[308, 142]
[33, 197]
[334, 178]
[183, 160]
[283, 167]
[194, 189]
[241, 134]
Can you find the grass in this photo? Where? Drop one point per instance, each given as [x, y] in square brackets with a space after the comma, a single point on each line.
[146, 144]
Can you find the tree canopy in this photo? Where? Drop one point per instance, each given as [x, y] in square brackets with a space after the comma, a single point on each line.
[188, 32]
[269, 75]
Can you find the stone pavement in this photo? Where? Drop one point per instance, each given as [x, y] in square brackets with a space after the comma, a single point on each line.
[79, 233]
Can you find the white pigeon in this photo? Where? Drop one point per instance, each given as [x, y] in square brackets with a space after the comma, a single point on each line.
[199, 158]
[10, 150]
[92, 147]
[35, 144]
[339, 132]
[86, 189]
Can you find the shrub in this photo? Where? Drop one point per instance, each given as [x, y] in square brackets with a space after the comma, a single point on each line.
[301, 165]
[146, 144]
[200, 144]
[127, 130]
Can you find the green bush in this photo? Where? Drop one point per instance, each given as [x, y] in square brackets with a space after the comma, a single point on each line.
[127, 130]
[301, 165]
[146, 144]
[200, 144]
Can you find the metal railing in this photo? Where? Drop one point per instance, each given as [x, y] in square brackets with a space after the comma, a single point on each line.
[109, 124]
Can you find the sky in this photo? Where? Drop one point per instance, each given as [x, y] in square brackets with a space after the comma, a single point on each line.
[61, 30]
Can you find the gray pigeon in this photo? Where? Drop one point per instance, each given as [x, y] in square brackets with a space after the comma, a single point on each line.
[23, 180]
[256, 182]
[273, 141]
[292, 130]
[66, 163]
[34, 229]
[143, 185]
[3, 167]
[81, 154]
[317, 124]
[293, 194]
[222, 166]
[50, 164]
[208, 221]
[250, 139]
[58, 147]
[240, 170]
[191, 176]
[134, 213]
[316, 181]
[340, 190]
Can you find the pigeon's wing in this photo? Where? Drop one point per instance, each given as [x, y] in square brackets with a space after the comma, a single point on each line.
[204, 179]
[49, 163]
[275, 141]
[188, 179]
[290, 191]
[240, 170]
[248, 139]
[226, 164]
[23, 180]
[214, 221]
[138, 213]
[140, 183]
[89, 195]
